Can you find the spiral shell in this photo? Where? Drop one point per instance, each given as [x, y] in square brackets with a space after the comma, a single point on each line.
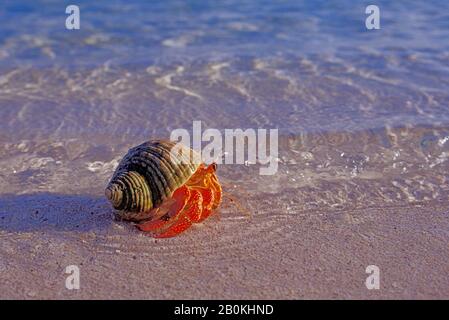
[148, 175]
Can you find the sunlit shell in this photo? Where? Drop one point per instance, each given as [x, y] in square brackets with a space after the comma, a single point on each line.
[148, 175]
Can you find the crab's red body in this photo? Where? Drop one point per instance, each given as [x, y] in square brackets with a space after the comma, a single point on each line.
[191, 203]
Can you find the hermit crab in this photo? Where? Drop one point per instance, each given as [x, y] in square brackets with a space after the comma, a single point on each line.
[164, 187]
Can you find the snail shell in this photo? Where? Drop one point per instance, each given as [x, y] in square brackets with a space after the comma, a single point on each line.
[148, 175]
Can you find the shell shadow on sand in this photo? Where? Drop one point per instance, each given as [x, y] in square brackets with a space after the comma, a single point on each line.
[54, 212]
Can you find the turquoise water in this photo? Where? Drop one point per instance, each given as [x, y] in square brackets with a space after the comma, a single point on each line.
[347, 101]
[145, 67]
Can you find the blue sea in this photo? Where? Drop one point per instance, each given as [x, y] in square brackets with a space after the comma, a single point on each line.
[347, 101]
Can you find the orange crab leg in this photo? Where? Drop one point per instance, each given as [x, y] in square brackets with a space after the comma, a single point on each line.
[208, 198]
[186, 217]
[152, 225]
[197, 200]
[210, 182]
[205, 180]
[179, 226]
[180, 196]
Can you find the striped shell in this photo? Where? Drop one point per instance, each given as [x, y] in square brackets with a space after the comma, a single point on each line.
[148, 175]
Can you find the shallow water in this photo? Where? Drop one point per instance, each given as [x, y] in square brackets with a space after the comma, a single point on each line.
[350, 104]
[363, 125]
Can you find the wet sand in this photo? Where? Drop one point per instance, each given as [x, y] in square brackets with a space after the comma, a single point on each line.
[307, 232]
[272, 255]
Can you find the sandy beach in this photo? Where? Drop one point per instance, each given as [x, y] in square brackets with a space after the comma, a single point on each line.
[363, 147]
[312, 239]
[273, 255]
